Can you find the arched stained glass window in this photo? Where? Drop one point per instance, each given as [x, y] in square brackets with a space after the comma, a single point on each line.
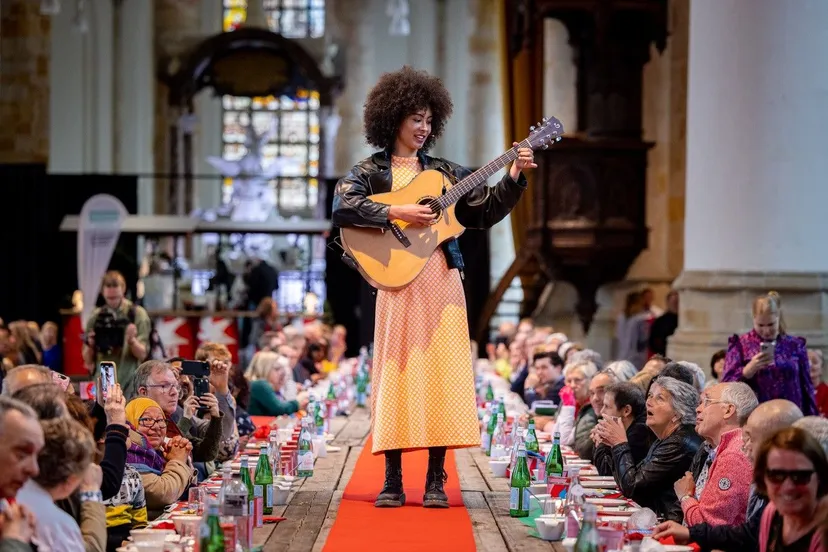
[293, 122]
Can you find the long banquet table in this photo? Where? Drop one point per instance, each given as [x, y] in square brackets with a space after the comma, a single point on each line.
[313, 502]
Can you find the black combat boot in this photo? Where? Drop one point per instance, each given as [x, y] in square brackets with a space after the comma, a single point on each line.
[436, 476]
[392, 495]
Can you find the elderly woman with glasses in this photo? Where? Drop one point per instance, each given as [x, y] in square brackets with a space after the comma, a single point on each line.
[792, 471]
[671, 416]
[165, 466]
[157, 380]
[576, 417]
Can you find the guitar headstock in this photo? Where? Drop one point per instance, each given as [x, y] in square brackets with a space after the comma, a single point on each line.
[547, 131]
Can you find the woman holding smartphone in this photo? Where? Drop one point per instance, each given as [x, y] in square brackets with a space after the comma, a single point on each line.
[772, 362]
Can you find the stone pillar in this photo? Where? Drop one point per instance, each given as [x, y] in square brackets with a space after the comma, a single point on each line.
[756, 166]
[24, 82]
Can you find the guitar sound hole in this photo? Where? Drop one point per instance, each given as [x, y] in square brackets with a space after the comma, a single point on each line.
[427, 202]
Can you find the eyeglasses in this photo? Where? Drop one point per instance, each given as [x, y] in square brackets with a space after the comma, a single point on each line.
[797, 477]
[706, 401]
[165, 387]
[150, 423]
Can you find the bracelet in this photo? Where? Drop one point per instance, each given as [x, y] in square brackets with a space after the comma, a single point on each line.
[91, 496]
[684, 497]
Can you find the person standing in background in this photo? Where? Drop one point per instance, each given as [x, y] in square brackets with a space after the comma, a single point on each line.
[664, 326]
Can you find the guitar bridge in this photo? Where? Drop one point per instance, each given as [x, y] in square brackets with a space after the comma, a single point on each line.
[400, 235]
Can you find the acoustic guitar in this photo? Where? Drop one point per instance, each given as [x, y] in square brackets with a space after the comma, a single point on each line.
[390, 258]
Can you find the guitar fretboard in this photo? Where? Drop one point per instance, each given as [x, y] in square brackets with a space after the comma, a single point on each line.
[479, 176]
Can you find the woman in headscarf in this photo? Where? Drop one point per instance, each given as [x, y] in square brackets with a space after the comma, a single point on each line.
[165, 466]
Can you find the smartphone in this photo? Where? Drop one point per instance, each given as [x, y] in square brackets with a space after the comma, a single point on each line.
[60, 380]
[195, 368]
[768, 347]
[201, 386]
[107, 378]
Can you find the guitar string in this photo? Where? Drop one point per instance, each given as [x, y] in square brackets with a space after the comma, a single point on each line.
[473, 180]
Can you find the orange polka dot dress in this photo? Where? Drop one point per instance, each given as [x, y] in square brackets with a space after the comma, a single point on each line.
[423, 384]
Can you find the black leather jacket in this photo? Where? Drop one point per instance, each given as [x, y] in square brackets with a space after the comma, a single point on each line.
[650, 482]
[481, 208]
[640, 439]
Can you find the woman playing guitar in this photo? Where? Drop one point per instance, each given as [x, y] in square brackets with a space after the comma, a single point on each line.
[423, 383]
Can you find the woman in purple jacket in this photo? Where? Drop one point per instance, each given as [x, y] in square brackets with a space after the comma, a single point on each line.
[774, 364]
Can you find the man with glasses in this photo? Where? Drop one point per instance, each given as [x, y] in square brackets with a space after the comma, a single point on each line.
[768, 418]
[157, 380]
[717, 488]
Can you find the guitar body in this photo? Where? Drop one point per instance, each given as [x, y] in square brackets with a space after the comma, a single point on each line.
[383, 259]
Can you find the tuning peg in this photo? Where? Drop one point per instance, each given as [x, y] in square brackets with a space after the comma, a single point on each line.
[544, 119]
[558, 139]
[532, 128]
[546, 146]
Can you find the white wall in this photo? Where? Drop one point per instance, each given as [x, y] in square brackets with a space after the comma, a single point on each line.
[756, 133]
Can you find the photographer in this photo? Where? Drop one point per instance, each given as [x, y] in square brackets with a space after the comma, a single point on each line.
[117, 332]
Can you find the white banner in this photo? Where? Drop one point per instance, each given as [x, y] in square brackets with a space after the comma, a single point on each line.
[99, 226]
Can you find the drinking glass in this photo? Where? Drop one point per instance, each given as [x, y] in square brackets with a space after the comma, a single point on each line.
[195, 500]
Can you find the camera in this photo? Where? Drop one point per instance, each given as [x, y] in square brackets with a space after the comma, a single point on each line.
[109, 332]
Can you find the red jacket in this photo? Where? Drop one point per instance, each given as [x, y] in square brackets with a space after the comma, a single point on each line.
[822, 399]
[725, 495]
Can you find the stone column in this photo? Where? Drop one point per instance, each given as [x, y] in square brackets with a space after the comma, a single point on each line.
[756, 165]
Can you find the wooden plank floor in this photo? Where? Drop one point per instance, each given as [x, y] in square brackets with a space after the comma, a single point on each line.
[313, 504]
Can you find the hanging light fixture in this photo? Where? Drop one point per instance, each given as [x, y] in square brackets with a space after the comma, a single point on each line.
[397, 10]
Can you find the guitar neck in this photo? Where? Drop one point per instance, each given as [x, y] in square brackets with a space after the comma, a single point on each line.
[478, 177]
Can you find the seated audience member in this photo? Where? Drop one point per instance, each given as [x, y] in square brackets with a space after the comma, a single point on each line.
[717, 362]
[338, 344]
[23, 376]
[51, 349]
[22, 438]
[310, 366]
[624, 413]
[622, 369]
[820, 387]
[698, 374]
[717, 487]
[584, 444]
[156, 380]
[768, 418]
[267, 374]
[651, 370]
[64, 465]
[165, 469]
[792, 470]
[671, 416]
[221, 362]
[817, 426]
[241, 393]
[545, 379]
[125, 511]
[575, 416]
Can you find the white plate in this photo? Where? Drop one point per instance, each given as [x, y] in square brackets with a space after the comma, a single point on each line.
[616, 511]
[596, 477]
[607, 501]
[599, 485]
[676, 548]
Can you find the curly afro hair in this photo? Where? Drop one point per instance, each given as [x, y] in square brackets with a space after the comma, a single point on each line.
[396, 96]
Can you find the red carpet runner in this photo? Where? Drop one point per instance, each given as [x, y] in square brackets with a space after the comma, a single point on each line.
[359, 525]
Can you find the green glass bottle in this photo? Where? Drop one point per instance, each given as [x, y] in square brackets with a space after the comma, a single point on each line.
[245, 477]
[263, 481]
[331, 393]
[501, 408]
[490, 431]
[589, 540]
[489, 393]
[532, 438]
[319, 418]
[554, 461]
[305, 450]
[210, 533]
[519, 487]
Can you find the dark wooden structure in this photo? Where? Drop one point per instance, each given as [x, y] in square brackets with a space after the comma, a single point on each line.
[589, 218]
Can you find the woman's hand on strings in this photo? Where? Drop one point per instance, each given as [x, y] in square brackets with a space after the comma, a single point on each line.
[414, 214]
